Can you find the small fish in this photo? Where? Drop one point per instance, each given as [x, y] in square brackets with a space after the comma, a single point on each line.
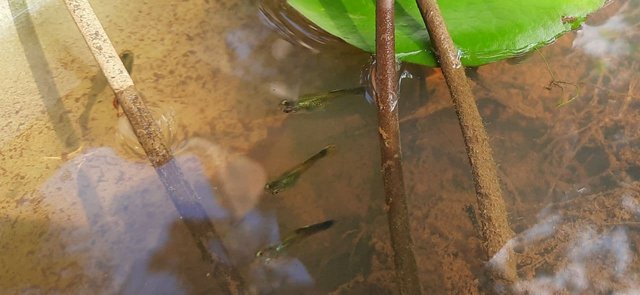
[316, 101]
[293, 238]
[290, 177]
[127, 60]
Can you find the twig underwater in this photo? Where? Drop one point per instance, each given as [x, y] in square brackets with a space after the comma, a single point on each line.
[182, 195]
[558, 83]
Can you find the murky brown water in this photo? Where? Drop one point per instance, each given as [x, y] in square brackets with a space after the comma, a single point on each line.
[80, 212]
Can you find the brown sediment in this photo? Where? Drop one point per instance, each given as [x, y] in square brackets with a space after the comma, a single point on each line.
[492, 215]
[599, 227]
[390, 150]
[183, 196]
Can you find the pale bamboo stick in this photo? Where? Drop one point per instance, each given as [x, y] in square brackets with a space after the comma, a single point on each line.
[148, 133]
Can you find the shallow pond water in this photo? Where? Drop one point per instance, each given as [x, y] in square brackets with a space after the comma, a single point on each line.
[81, 211]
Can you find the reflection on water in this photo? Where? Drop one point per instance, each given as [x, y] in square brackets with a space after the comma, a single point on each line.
[98, 220]
[239, 179]
[117, 221]
[604, 40]
[581, 246]
[292, 26]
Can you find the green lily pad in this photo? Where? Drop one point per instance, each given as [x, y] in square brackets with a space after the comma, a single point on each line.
[483, 30]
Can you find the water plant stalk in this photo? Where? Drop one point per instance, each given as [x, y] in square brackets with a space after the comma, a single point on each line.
[182, 195]
[492, 215]
[390, 150]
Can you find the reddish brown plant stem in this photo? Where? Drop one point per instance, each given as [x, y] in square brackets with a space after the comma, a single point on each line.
[388, 127]
[492, 215]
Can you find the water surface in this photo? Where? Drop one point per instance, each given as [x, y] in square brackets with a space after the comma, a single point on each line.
[81, 212]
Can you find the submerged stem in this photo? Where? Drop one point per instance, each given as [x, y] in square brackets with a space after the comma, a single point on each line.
[492, 215]
[390, 150]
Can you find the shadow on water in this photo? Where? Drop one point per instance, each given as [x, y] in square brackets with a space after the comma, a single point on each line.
[98, 84]
[100, 219]
[175, 267]
[41, 71]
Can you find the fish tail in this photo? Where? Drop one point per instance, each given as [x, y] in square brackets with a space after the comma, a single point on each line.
[348, 91]
[321, 154]
[328, 149]
[315, 228]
